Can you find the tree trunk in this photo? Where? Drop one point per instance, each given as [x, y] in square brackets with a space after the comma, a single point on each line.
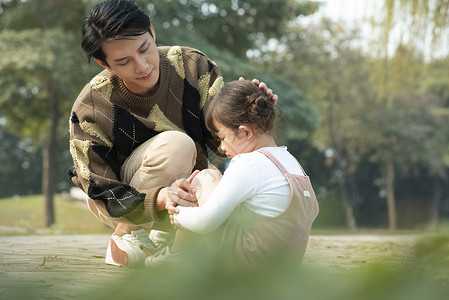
[341, 164]
[351, 224]
[48, 159]
[434, 209]
[391, 202]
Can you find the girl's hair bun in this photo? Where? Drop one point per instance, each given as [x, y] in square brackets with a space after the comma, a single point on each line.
[241, 102]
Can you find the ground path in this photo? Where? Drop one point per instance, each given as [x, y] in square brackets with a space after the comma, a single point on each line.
[65, 266]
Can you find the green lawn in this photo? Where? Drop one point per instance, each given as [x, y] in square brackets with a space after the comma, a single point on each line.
[26, 215]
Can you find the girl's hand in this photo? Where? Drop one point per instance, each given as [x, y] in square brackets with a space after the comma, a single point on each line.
[264, 87]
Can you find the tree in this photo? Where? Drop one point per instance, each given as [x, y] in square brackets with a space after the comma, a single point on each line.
[438, 84]
[325, 66]
[42, 73]
[407, 74]
[19, 167]
[232, 25]
[224, 30]
[401, 136]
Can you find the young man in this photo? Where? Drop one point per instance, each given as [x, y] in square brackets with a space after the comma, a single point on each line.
[138, 126]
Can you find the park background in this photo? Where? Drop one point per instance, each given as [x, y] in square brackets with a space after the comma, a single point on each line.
[363, 98]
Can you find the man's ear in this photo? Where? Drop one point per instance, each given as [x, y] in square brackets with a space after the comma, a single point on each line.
[102, 63]
[246, 132]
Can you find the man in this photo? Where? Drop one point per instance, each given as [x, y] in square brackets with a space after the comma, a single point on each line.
[138, 126]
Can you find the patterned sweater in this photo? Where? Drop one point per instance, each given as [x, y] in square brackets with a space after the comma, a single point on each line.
[108, 122]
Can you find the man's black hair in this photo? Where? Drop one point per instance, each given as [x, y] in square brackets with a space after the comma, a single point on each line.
[112, 20]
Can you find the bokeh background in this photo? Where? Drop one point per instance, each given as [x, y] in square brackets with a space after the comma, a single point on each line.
[363, 98]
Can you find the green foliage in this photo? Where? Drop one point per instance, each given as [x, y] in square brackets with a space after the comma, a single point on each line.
[41, 57]
[45, 14]
[408, 132]
[388, 109]
[224, 30]
[331, 211]
[297, 117]
[20, 167]
[433, 250]
[36, 62]
[231, 25]
[423, 17]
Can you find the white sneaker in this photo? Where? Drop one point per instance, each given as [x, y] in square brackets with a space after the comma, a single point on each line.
[146, 244]
[161, 238]
[163, 255]
[129, 250]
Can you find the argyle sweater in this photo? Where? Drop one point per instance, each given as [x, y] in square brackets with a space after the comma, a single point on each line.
[108, 122]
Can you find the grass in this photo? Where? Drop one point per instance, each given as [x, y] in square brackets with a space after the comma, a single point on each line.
[26, 215]
[366, 231]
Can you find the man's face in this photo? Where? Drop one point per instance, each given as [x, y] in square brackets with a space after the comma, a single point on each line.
[135, 60]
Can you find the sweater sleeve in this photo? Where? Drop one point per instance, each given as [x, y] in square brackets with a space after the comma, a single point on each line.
[97, 169]
[215, 84]
[204, 74]
[236, 186]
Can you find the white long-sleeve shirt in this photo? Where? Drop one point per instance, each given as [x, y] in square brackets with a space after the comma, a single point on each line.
[251, 179]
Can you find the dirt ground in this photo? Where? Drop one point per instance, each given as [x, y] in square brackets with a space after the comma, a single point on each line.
[65, 266]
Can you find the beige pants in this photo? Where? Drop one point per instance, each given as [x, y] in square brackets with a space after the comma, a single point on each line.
[160, 161]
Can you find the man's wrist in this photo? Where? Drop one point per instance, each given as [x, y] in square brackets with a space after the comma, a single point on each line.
[161, 199]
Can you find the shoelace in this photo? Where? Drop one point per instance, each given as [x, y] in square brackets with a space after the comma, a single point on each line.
[142, 239]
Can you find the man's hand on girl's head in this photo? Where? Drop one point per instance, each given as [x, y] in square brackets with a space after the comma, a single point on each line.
[263, 86]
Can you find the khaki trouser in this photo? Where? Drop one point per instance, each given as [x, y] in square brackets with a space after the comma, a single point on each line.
[160, 161]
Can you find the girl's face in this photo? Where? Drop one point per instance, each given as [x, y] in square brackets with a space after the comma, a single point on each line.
[234, 143]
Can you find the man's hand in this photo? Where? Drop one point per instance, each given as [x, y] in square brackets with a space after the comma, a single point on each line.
[181, 192]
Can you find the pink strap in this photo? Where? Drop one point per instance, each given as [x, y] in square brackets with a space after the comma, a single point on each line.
[274, 160]
[277, 162]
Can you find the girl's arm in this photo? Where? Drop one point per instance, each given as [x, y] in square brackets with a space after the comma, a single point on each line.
[238, 183]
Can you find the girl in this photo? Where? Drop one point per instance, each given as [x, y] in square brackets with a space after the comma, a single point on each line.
[263, 206]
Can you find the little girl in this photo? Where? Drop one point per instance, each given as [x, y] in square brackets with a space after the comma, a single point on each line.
[263, 206]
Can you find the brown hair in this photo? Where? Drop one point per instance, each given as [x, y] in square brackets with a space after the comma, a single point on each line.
[241, 102]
